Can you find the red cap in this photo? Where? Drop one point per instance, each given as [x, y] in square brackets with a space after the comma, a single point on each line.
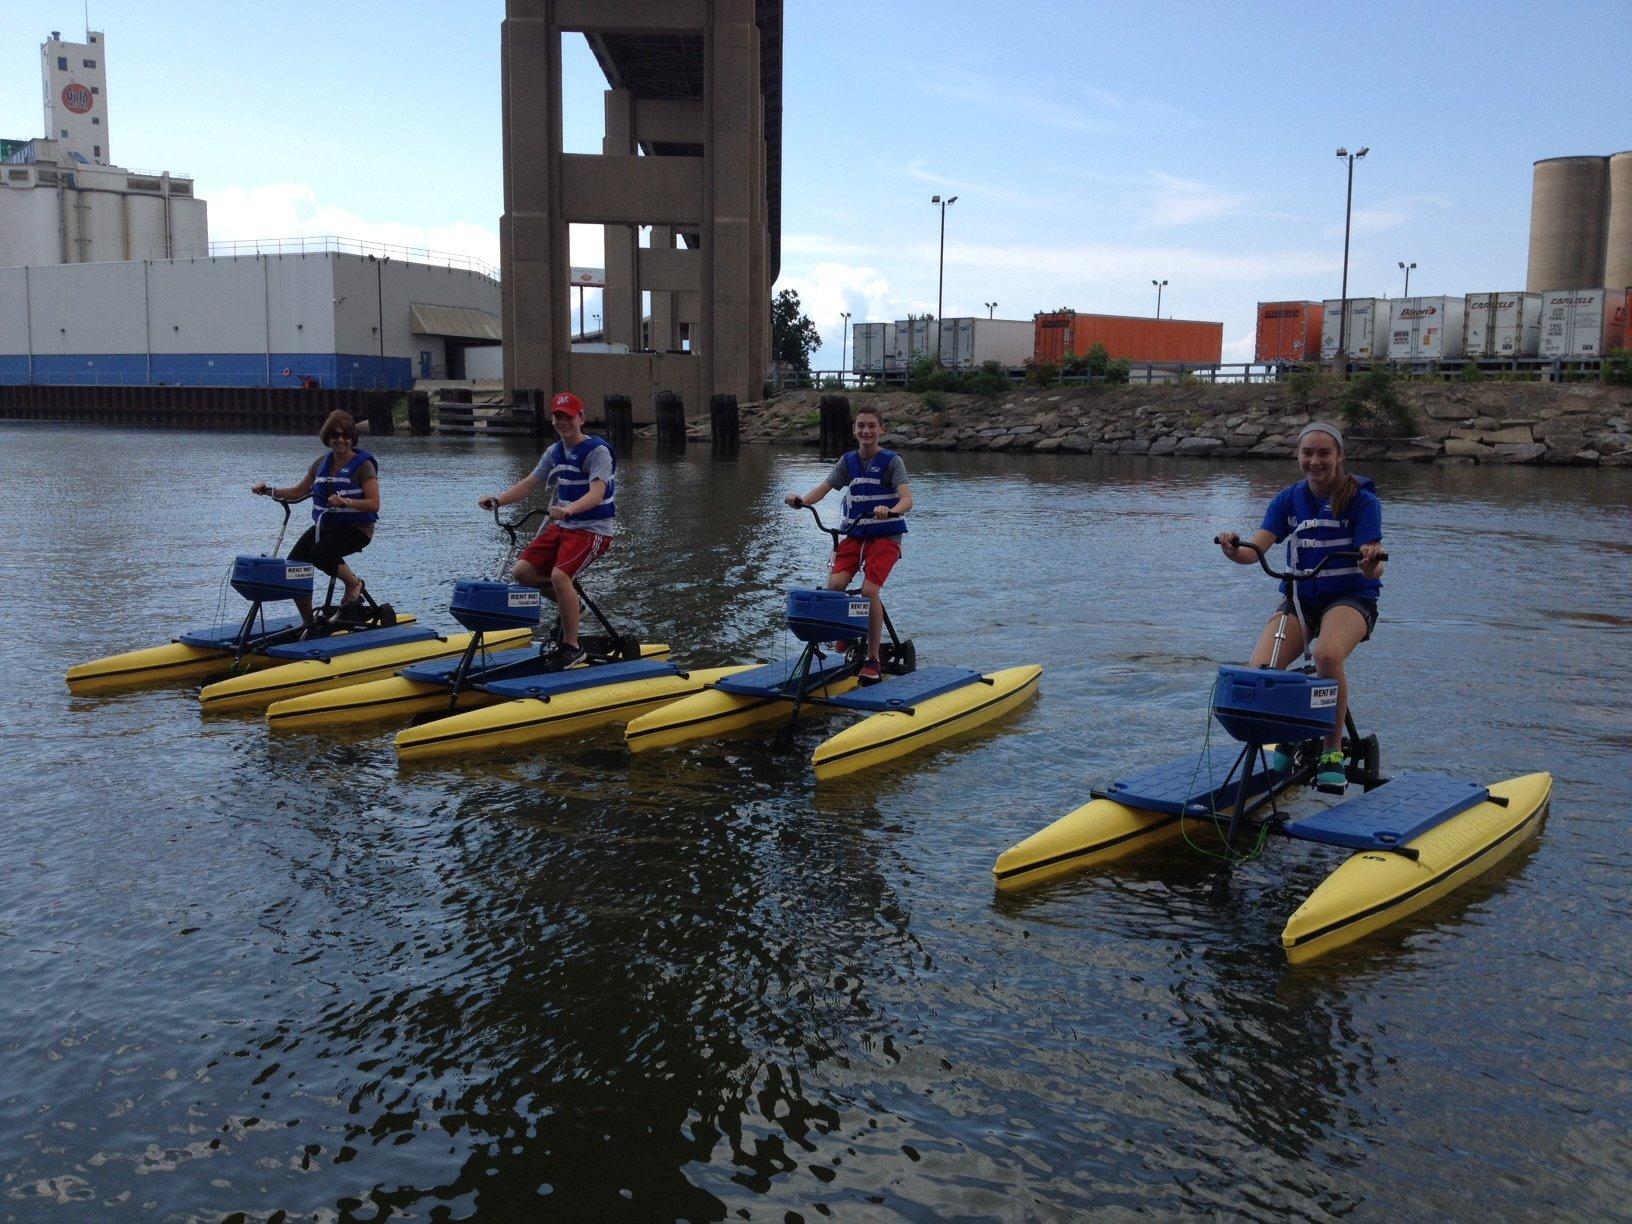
[568, 403]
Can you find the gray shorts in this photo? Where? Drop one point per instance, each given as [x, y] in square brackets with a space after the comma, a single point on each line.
[1312, 612]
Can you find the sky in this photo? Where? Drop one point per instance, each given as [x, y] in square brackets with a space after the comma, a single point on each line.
[1093, 147]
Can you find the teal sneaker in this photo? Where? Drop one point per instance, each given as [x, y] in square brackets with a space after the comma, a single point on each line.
[1279, 762]
[1331, 777]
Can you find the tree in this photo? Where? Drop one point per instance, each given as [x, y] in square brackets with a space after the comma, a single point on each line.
[793, 336]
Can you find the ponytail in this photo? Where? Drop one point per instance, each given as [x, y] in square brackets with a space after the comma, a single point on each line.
[1344, 494]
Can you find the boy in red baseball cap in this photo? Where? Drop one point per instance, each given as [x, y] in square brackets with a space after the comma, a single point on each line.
[581, 518]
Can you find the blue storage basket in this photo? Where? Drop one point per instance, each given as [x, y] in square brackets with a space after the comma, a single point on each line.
[828, 616]
[269, 579]
[1262, 705]
[479, 605]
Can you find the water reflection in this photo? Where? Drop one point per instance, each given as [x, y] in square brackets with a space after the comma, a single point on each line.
[257, 974]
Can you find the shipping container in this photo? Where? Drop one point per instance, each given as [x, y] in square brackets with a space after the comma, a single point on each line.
[1288, 331]
[1425, 329]
[1178, 341]
[1582, 322]
[915, 338]
[872, 348]
[1367, 335]
[1501, 325]
[966, 344]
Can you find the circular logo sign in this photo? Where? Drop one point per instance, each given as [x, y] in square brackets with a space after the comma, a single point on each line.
[286, 371]
[76, 98]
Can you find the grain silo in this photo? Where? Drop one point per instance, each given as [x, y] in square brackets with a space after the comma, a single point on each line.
[1618, 237]
[1568, 207]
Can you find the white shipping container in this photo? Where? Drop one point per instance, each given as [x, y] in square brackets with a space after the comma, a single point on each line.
[1367, 336]
[1425, 328]
[967, 344]
[872, 348]
[1582, 322]
[1501, 325]
[915, 338]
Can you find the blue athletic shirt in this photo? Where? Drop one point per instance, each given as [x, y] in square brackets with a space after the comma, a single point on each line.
[1311, 531]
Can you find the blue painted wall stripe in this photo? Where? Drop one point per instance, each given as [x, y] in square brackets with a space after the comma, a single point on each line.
[207, 370]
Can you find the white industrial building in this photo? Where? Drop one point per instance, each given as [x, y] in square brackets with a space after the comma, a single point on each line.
[319, 317]
[108, 276]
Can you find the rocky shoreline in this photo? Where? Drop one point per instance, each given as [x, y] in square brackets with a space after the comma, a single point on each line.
[1578, 424]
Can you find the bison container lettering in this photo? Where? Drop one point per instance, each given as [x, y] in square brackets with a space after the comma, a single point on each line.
[1425, 328]
[1288, 331]
[1501, 325]
[1179, 341]
[1582, 322]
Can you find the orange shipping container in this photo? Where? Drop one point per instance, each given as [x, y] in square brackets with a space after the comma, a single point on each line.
[1138, 339]
[1289, 331]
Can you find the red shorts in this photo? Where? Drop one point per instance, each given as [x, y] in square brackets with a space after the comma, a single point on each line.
[878, 554]
[567, 550]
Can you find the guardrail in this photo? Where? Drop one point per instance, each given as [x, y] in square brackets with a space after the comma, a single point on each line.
[344, 246]
[1522, 369]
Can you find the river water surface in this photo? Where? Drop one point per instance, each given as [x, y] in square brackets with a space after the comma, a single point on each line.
[247, 975]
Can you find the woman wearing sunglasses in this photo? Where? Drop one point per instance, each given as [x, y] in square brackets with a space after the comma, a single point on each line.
[345, 488]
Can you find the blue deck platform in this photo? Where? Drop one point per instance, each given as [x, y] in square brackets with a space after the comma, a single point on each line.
[1192, 785]
[350, 643]
[776, 679]
[899, 692]
[1391, 815]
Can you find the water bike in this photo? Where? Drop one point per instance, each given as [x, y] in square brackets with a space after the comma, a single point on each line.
[1415, 838]
[258, 640]
[911, 708]
[490, 696]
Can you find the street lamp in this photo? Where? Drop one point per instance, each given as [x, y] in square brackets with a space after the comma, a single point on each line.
[940, 287]
[1160, 285]
[1348, 215]
[1407, 267]
[844, 340]
[991, 308]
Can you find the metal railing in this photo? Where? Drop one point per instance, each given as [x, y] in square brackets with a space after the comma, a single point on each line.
[1530, 369]
[330, 244]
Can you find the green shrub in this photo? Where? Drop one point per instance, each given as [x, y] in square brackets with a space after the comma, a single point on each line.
[920, 371]
[1302, 385]
[935, 401]
[943, 380]
[832, 384]
[1116, 372]
[1470, 373]
[1617, 367]
[988, 382]
[1041, 373]
[1371, 403]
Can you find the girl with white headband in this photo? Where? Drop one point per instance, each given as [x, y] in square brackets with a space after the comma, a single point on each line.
[1329, 510]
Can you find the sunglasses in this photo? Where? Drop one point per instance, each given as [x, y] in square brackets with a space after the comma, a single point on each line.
[330, 437]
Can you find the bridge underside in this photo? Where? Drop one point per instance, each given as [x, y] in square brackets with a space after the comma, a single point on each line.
[693, 149]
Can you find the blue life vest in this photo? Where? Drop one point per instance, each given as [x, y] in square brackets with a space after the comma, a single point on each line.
[571, 469]
[345, 484]
[865, 491]
[1313, 530]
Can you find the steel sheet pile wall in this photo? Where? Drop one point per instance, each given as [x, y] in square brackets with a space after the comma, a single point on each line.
[1288, 331]
[1176, 341]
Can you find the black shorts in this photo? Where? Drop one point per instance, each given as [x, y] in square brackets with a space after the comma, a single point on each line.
[1312, 612]
[339, 540]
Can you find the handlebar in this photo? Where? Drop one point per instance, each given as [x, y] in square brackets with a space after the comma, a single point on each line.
[1297, 575]
[821, 526]
[515, 525]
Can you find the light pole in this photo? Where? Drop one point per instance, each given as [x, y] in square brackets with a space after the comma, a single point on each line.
[940, 284]
[844, 340]
[1407, 267]
[991, 308]
[1160, 285]
[1343, 306]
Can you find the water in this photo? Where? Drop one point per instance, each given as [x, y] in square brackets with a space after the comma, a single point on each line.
[246, 975]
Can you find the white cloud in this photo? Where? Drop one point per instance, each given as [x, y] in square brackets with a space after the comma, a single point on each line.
[1178, 201]
[292, 210]
[830, 288]
[1022, 107]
